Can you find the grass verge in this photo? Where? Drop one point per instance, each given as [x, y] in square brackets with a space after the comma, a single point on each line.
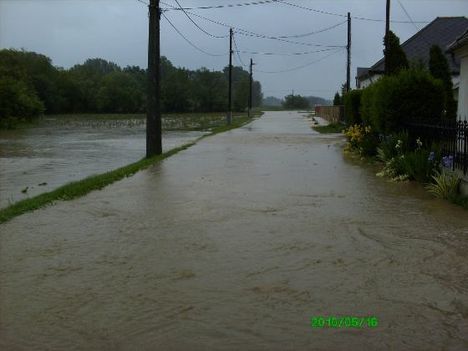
[328, 129]
[82, 187]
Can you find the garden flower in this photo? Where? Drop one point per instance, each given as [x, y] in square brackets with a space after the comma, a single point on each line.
[447, 161]
[419, 143]
[398, 145]
[431, 156]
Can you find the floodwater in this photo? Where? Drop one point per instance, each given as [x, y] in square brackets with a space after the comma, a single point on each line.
[36, 160]
[234, 244]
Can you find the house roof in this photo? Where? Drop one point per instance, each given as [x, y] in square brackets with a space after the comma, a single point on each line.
[459, 42]
[442, 31]
[362, 71]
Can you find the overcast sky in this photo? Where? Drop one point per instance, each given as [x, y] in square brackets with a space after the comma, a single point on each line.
[70, 31]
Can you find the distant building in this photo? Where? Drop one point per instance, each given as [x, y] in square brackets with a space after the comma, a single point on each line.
[459, 49]
[442, 32]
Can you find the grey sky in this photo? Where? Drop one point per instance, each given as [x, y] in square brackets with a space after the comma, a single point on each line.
[70, 31]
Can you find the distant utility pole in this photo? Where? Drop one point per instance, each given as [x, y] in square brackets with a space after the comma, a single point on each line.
[387, 30]
[250, 87]
[153, 114]
[348, 48]
[229, 114]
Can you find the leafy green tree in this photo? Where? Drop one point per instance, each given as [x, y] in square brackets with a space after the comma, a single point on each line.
[395, 57]
[293, 102]
[439, 68]
[337, 99]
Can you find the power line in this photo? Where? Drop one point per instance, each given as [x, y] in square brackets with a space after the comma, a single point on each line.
[342, 15]
[143, 2]
[263, 2]
[263, 36]
[188, 41]
[303, 66]
[408, 15]
[285, 54]
[200, 28]
[314, 32]
[237, 52]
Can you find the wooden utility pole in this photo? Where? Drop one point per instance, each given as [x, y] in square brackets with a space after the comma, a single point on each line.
[153, 114]
[229, 114]
[348, 63]
[387, 30]
[250, 87]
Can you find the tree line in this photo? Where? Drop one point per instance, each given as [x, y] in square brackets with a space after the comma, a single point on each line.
[31, 85]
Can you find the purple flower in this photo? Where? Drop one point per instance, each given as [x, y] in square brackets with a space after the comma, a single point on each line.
[447, 161]
[431, 156]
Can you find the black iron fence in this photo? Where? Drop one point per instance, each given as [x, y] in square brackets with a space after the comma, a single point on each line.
[450, 136]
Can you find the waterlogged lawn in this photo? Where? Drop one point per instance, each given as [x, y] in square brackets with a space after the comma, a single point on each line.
[170, 122]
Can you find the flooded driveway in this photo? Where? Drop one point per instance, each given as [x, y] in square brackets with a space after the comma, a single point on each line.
[234, 244]
[36, 160]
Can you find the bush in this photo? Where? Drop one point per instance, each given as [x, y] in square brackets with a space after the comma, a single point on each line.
[393, 145]
[419, 166]
[367, 104]
[352, 104]
[362, 139]
[412, 95]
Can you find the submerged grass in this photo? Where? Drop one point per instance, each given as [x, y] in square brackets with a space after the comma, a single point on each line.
[82, 187]
[330, 128]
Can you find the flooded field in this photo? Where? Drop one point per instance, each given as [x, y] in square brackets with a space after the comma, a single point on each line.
[234, 244]
[60, 150]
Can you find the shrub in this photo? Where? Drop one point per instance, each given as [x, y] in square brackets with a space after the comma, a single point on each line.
[412, 95]
[445, 185]
[419, 166]
[393, 145]
[352, 104]
[367, 104]
[362, 139]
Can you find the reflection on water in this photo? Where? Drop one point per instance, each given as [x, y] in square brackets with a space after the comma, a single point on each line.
[40, 159]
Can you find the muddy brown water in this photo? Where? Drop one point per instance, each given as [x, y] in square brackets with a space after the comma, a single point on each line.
[234, 244]
[40, 159]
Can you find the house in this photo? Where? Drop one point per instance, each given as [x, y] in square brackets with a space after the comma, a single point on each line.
[442, 31]
[459, 49]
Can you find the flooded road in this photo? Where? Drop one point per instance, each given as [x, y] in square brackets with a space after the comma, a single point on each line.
[36, 160]
[234, 244]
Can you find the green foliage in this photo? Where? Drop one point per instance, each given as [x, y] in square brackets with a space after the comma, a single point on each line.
[294, 102]
[411, 95]
[337, 100]
[362, 139]
[330, 128]
[395, 57]
[439, 68]
[393, 145]
[445, 185]
[31, 85]
[352, 104]
[417, 165]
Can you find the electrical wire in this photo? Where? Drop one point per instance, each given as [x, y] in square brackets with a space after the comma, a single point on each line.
[200, 28]
[263, 36]
[342, 15]
[408, 15]
[188, 41]
[262, 2]
[237, 52]
[302, 66]
[284, 54]
[143, 2]
[314, 32]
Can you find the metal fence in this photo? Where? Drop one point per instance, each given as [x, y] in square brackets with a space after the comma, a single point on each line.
[451, 136]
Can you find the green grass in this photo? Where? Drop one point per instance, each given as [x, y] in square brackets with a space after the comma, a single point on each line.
[82, 187]
[331, 128]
